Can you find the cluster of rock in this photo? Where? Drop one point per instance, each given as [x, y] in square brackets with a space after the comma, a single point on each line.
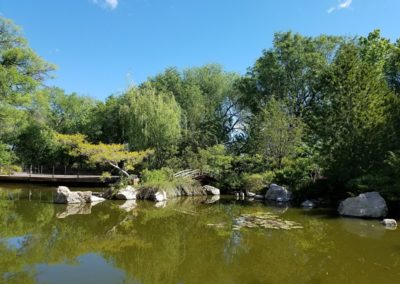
[367, 205]
[275, 193]
[65, 196]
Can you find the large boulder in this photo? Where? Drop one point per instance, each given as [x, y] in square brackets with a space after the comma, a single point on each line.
[65, 196]
[369, 204]
[210, 190]
[127, 193]
[278, 193]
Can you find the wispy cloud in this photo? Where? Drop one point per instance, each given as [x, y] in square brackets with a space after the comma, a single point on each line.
[342, 4]
[107, 4]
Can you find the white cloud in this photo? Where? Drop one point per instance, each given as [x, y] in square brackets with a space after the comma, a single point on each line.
[343, 4]
[107, 4]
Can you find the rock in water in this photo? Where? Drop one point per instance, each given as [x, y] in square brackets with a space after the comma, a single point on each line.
[160, 196]
[65, 196]
[127, 193]
[251, 194]
[308, 204]
[369, 204]
[390, 224]
[96, 199]
[210, 190]
[278, 193]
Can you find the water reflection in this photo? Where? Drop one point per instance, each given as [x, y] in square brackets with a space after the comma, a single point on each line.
[138, 242]
[74, 209]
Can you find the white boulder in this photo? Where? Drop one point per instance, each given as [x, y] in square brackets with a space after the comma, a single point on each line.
[210, 190]
[127, 193]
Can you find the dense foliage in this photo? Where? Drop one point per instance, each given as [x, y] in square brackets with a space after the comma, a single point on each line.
[312, 113]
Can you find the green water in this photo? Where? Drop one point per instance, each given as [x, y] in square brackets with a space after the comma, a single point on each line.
[45, 243]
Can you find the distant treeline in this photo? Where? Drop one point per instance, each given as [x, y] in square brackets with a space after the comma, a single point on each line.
[318, 114]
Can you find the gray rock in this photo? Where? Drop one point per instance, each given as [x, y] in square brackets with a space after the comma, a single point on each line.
[210, 190]
[65, 196]
[251, 194]
[389, 224]
[258, 196]
[278, 193]
[127, 193]
[308, 204]
[369, 204]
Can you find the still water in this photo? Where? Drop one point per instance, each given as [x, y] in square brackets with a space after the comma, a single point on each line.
[185, 241]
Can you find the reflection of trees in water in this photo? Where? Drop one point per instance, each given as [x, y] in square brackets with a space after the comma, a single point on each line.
[171, 244]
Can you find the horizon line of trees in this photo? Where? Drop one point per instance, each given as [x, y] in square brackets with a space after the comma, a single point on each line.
[318, 114]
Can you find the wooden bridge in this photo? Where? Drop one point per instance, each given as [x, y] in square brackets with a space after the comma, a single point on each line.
[74, 180]
[202, 176]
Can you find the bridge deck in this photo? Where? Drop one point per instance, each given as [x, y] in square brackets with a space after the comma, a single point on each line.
[57, 179]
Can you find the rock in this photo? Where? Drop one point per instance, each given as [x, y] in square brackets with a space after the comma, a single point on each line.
[241, 194]
[127, 193]
[65, 196]
[258, 196]
[308, 204]
[369, 204]
[278, 193]
[160, 196]
[390, 224]
[251, 194]
[96, 199]
[128, 206]
[210, 190]
[75, 209]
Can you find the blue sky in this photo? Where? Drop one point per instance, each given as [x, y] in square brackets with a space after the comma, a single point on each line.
[102, 46]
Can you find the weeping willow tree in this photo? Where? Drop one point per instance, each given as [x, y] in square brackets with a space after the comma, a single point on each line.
[151, 120]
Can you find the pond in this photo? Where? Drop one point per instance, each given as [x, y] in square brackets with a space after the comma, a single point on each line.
[187, 240]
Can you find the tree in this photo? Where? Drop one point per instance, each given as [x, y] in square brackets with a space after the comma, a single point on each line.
[21, 73]
[37, 145]
[353, 122]
[276, 133]
[151, 120]
[290, 71]
[114, 155]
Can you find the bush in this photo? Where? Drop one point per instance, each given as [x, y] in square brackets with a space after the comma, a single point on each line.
[10, 169]
[253, 182]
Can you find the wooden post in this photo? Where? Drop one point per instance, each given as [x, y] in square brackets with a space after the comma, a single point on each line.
[30, 171]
